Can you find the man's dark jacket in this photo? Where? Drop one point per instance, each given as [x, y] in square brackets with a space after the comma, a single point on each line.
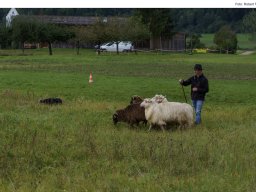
[201, 83]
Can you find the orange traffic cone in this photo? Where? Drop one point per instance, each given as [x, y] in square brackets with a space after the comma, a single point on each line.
[90, 79]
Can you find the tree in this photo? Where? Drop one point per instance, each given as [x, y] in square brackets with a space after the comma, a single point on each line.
[158, 22]
[114, 29]
[101, 31]
[135, 30]
[24, 29]
[126, 29]
[193, 41]
[5, 38]
[53, 33]
[79, 34]
[226, 39]
[98, 33]
[249, 23]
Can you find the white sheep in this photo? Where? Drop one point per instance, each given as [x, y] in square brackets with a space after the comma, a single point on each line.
[167, 112]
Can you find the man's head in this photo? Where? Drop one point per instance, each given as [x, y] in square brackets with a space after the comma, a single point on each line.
[198, 69]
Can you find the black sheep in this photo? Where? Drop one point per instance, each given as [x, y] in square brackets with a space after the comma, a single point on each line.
[51, 101]
[132, 114]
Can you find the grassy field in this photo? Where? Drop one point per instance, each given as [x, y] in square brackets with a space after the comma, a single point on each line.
[244, 41]
[76, 147]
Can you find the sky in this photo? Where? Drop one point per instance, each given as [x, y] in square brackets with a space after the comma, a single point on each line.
[128, 4]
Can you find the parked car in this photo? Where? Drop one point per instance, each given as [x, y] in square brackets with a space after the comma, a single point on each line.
[123, 46]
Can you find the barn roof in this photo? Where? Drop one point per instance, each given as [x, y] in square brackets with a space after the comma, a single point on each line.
[71, 20]
[67, 20]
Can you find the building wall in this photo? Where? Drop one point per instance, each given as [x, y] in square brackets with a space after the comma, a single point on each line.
[11, 14]
[176, 43]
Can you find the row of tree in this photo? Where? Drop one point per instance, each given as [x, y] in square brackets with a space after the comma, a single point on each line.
[144, 24]
[24, 29]
[185, 20]
[115, 30]
[27, 30]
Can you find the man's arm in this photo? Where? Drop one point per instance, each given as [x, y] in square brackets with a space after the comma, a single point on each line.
[186, 82]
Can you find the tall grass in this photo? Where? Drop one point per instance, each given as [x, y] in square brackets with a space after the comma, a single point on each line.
[76, 147]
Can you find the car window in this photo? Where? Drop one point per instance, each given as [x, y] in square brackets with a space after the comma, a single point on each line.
[109, 44]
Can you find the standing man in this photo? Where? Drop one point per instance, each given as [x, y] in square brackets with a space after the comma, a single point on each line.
[199, 87]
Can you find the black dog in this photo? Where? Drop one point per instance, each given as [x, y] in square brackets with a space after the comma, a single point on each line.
[51, 101]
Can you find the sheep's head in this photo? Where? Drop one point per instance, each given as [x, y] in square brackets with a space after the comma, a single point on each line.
[159, 98]
[136, 99]
[115, 118]
[146, 102]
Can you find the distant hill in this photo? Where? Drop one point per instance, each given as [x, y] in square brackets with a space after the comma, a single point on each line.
[208, 20]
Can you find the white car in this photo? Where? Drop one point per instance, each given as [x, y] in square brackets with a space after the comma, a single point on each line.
[123, 46]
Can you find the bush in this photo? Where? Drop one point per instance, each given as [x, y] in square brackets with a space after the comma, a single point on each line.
[226, 40]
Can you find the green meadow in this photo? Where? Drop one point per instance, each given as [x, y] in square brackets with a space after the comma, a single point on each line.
[244, 41]
[76, 147]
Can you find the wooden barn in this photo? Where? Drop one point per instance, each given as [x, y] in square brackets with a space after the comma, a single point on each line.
[177, 43]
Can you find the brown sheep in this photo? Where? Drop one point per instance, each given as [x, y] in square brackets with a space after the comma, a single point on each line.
[132, 114]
